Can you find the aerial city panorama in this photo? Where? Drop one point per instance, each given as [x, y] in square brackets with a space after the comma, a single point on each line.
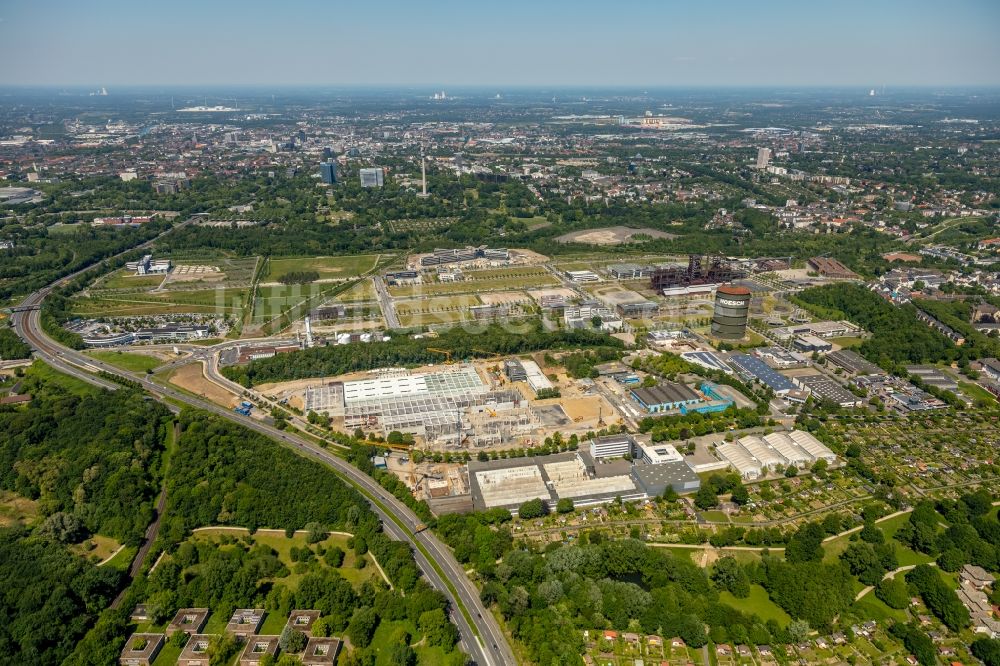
[611, 334]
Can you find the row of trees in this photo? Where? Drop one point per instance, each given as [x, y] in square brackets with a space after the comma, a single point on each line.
[694, 424]
[341, 359]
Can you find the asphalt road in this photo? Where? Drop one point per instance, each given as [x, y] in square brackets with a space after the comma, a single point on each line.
[385, 301]
[489, 647]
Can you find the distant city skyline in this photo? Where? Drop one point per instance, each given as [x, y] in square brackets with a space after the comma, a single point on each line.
[518, 43]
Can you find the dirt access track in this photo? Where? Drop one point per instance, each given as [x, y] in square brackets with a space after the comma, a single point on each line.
[192, 378]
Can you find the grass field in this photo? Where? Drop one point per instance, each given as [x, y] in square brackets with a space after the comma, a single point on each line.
[128, 280]
[97, 548]
[848, 341]
[759, 604]
[127, 360]
[49, 376]
[16, 510]
[272, 301]
[904, 555]
[64, 229]
[443, 303]
[386, 633]
[283, 545]
[430, 319]
[362, 291]
[168, 655]
[327, 267]
[203, 301]
[123, 559]
[976, 392]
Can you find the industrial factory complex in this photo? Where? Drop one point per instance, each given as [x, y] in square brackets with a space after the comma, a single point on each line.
[611, 467]
[619, 467]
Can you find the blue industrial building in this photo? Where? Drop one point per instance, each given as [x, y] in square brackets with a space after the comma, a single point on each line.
[752, 367]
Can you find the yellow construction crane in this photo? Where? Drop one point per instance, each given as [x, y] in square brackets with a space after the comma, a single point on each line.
[447, 354]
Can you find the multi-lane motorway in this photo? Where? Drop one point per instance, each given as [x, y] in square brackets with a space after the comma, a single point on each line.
[481, 634]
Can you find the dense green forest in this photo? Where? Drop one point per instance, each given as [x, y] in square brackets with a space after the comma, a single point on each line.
[11, 346]
[694, 424]
[341, 359]
[39, 257]
[224, 474]
[898, 337]
[50, 597]
[92, 461]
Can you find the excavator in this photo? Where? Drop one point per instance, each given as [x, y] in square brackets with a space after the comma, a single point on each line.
[447, 354]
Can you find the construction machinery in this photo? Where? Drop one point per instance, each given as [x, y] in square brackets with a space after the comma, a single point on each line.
[447, 354]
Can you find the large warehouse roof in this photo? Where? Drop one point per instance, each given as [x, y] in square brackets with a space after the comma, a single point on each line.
[754, 367]
[764, 454]
[738, 457]
[812, 446]
[460, 381]
[665, 393]
[787, 447]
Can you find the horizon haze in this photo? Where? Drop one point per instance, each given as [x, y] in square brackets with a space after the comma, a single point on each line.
[300, 42]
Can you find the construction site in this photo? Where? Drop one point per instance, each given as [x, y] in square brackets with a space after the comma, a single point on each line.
[457, 406]
[453, 408]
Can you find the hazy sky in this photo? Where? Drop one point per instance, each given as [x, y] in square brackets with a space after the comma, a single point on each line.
[500, 42]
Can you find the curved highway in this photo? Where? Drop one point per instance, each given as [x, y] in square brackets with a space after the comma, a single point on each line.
[481, 634]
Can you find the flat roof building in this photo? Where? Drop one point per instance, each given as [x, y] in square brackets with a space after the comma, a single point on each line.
[611, 446]
[827, 389]
[752, 367]
[583, 276]
[196, 651]
[628, 271]
[245, 622]
[654, 454]
[811, 343]
[535, 377]
[514, 370]
[677, 474]
[372, 177]
[141, 649]
[256, 648]
[665, 396]
[321, 651]
[188, 620]
[853, 363]
[302, 620]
